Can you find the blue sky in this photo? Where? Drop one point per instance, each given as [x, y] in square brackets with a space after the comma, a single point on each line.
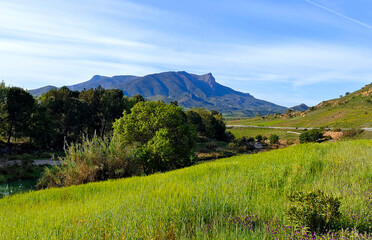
[287, 52]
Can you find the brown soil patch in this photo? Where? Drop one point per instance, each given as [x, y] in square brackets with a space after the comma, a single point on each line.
[334, 135]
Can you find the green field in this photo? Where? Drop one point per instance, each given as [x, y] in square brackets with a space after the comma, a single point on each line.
[253, 132]
[207, 201]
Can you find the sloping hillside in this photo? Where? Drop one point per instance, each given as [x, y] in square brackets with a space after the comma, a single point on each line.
[189, 90]
[234, 198]
[40, 91]
[352, 110]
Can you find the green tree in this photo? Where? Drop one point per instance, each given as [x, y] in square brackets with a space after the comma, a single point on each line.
[19, 106]
[164, 138]
[68, 115]
[3, 113]
[312, 135]
[274, 139]
[129, 102]
[214, 125]
[112, 108]
[94, 113]
[195, 119]
[40, 130]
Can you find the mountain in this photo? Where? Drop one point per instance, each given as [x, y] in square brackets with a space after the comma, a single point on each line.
[300, 108]
[190, 90]
[40, 91]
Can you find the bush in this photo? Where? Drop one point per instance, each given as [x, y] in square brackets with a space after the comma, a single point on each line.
[312, 135]
[317, 211]
[259, 138]
[210, 145]
[274, 139]
[230, 136]
[93, 160]
[352, 132]
[242, 144]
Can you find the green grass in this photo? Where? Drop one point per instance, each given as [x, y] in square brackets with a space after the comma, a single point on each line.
[196, 202]
[253, 132]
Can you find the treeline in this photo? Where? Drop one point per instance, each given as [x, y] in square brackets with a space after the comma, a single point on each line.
[60, 116]
[64, 116]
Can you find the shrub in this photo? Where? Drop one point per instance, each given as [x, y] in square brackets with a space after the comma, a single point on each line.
[230, 136]
[211, 145]
[259, 138]
[274, 139]
[352, 132]
[242, 144]
[312, 135]
[93, 160]
[317, 211]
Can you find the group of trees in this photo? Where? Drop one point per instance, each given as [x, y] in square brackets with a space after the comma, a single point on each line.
[107, 135]
[209, 124]
[152, 137]
[61, 114]
[16, 108]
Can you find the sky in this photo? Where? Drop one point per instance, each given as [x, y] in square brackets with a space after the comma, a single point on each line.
[287, 52]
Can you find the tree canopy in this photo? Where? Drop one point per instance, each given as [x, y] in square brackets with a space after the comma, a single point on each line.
[164, 138]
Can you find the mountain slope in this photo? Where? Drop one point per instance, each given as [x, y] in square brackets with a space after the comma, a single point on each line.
[189, 90]
[352, 110]
[40, 91]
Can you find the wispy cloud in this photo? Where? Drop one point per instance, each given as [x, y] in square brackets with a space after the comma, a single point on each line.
[62, 43]
[340, 14]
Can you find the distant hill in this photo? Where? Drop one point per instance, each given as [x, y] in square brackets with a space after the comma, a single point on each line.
[351, 110]
[190, 90]
[300, 108]
[40, 91]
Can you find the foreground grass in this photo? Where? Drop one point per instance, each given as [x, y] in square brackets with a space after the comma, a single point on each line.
[201, 202]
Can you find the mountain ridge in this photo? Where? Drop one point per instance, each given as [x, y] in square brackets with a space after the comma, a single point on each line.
[190, 90]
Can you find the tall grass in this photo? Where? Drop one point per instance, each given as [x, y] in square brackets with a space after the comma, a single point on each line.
[92, 160]
[242, 197]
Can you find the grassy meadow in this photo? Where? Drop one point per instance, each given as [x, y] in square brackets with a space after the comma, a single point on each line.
[253, 132]
[242, 197]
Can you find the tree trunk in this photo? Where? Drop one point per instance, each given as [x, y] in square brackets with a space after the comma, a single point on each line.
[9, 136]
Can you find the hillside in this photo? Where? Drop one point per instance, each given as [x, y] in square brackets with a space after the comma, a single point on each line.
[234, 198]
[40, 91]
[189, 90]
[352, 110]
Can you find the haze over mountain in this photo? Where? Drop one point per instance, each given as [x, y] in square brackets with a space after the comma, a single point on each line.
[190, 90]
